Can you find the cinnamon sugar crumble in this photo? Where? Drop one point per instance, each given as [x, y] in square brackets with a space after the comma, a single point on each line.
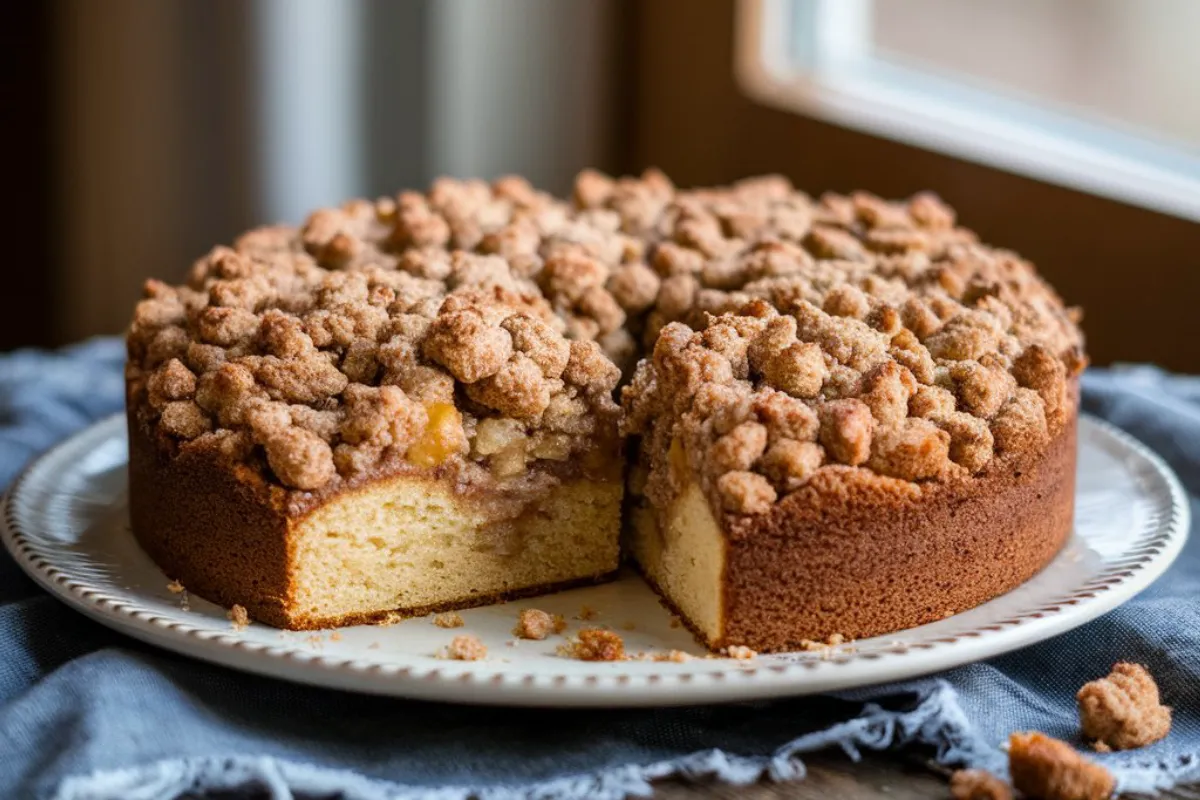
[536, 624]
[238, 616]
[977, 784]
[1049, 769]
[483, 327]
[449, 620]
[465, 648]
[1122, 711]
[595, 644]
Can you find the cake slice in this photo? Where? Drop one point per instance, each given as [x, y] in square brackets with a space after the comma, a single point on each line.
[853, 419]
[328, 425]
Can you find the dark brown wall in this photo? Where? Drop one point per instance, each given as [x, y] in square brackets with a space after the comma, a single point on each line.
[1136, 273]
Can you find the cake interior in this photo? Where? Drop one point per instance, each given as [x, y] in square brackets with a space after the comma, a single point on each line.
[418, 545]
[684, 559]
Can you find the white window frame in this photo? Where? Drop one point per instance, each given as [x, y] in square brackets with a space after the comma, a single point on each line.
[828, 72]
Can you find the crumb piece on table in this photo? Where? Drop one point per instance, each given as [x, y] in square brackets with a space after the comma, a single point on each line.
[595, 644]
[740, 652]
[978, 784]
[587, 613]
[1122, 711]
[238, 616]
[450, 620]
[1049, 769]
[175, 587]
[465, 648]
[534, 623]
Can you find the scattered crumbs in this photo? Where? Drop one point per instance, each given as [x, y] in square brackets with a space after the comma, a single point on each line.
[373, 646]
[1123, 710]
[336, 636]
[450, 620]
[672, 656]
[464, 648]
[675, 622]
[587, 613]
[594, 644]
[175, 587]
[629, 625]
[1041, 766]
[740, 652]
[976, 784]
[536, 624]
[238, 616]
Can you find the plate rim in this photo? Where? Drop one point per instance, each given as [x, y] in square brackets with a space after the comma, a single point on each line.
[759, 678]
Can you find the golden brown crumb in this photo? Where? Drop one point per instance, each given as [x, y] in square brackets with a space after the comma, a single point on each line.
[976, 784]
[238, 616]
[595, 644]
[534, 623]
[1122, 711]
[450, 620]
[587, 613]
[1048, 769]
[465, 648]
[175, 587]
[740, 652]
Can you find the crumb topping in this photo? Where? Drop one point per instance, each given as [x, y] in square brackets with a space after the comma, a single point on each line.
[1049, 769]
[1122, 711]
[483, 328]
[978, 784]
[465, 648]
[536, 624]
[449, 620]
[595, 644]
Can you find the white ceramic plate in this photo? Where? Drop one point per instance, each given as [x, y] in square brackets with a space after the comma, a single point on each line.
[66, 523]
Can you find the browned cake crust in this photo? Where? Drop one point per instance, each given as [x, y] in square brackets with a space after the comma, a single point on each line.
[226, 535]
[858, 556]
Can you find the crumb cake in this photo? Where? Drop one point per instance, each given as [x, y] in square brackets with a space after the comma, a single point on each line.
[842, 416]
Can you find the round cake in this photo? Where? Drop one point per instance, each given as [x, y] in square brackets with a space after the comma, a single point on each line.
[838, 417]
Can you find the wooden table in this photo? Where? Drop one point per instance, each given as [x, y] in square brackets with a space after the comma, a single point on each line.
[833, 776]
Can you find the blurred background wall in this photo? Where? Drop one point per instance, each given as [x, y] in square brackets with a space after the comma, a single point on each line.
[142, 132]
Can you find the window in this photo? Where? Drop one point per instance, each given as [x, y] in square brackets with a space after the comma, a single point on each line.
[1099, 95]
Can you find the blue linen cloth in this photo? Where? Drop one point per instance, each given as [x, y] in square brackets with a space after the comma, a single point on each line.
[88, 713]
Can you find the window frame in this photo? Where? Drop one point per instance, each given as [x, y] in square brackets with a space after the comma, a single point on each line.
[825, 69]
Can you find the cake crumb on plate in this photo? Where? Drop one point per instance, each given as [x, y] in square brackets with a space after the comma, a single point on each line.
[595, 644]
[450, 620]
[536, 624]
[175, 587]
[465, 648]
[740, 652]
[238, 616]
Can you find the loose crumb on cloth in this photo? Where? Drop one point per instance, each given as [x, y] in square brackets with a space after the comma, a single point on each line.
[1122, 711]
[977, 784]
[1046, 768]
